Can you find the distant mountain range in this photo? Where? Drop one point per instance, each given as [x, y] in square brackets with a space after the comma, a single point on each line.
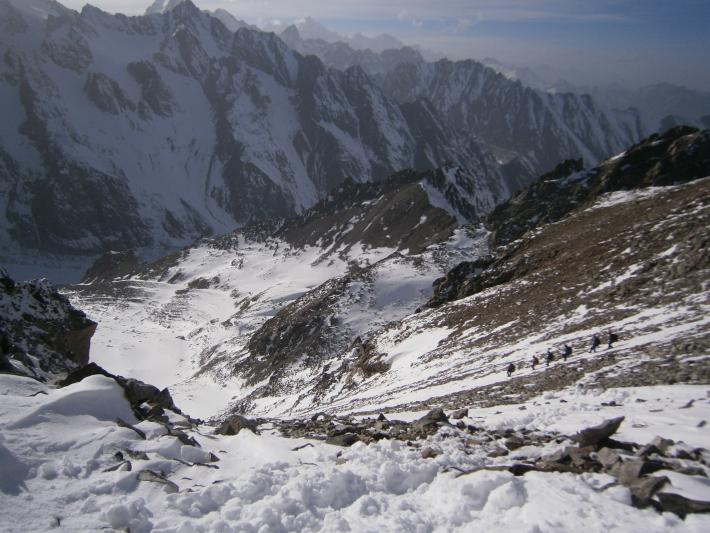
[148, 132]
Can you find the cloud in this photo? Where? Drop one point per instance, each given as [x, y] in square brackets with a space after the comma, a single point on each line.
[464, 24]
[404, 16]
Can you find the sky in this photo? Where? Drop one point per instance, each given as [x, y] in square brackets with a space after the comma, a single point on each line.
[631, 42]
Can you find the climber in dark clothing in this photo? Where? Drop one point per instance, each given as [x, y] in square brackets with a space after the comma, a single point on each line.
[613, 337]
[535, 362]
[550, 357]
[595, 344]
[566, 352]
[511, 369]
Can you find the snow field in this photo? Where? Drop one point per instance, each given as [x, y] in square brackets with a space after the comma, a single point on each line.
[55, 471]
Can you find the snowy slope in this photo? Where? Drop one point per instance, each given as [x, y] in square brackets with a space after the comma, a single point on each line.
[194, 319]
[560, 286]
[68, 465]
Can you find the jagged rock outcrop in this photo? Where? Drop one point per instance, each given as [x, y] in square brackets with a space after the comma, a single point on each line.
[407, 211]
[529, 129]
[112, 265]
[41, 334]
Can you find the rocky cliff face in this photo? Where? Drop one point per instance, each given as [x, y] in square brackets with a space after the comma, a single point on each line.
[514, 120]
[511, 119]
[41, 334]
[148, 132]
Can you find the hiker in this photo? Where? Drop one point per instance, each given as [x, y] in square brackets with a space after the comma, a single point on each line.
[535, 361]
[566, 352]
[613, 337]
[595, 344]
[511, 369]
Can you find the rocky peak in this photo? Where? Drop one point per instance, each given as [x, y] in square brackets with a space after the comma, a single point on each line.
[290, 36]
[163, 6]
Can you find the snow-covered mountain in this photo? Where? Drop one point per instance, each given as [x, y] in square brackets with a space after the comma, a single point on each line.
[227, 18]
[662, 106]
[370, 253]
[148, 132]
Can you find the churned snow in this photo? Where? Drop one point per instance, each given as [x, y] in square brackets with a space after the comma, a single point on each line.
[56, 470]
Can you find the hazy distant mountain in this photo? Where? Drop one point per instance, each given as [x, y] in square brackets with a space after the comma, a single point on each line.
[661, 106]
[342, 55]
[309, 28]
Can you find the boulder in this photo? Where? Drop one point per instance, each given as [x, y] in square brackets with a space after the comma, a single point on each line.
[459, 414]
[608, 458]
[346, 439]
[643, 489]
[435, 417]
[154, 477]
[630, 471]
[559, 456]
[235, 423]
[680, 505]
[595, 435]
[135, 391]
[514, 442]
[581, 456]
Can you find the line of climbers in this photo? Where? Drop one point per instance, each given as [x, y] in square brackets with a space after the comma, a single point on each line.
[566, 352]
